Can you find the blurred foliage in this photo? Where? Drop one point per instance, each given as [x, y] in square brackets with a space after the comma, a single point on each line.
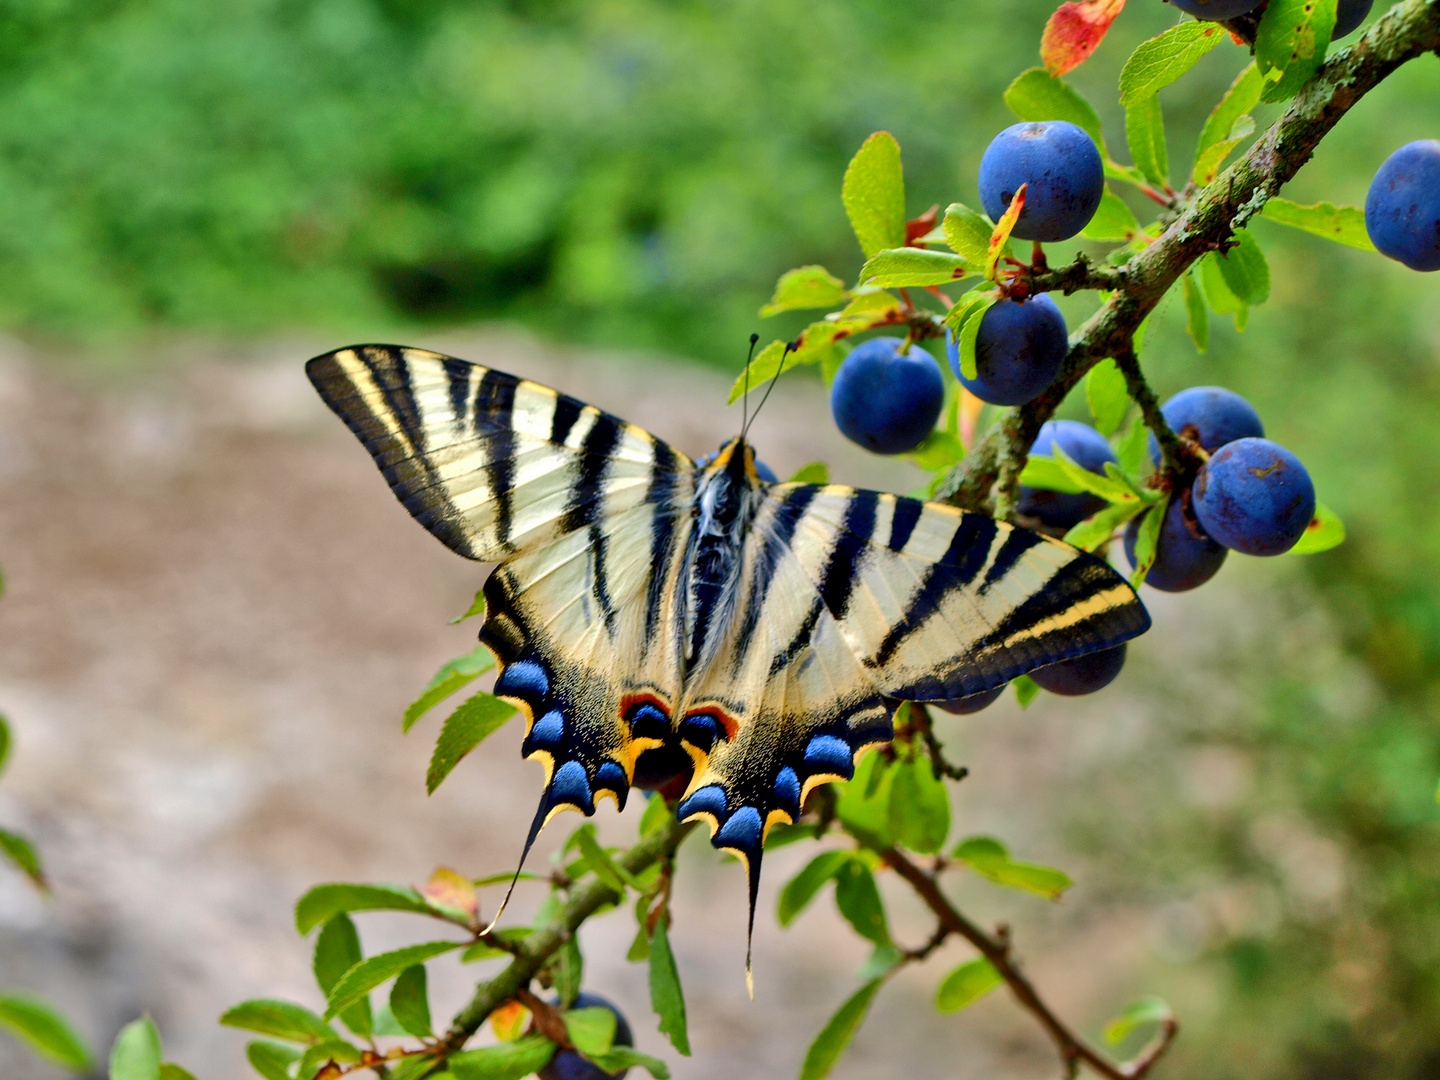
[639, 172]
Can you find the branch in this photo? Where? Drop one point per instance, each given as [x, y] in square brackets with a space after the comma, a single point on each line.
[1227, 203]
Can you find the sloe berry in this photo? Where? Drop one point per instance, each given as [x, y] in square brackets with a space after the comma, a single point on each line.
[1402, 209]
[1061, 167]
[1218, 416]
[884, 400]
[1254, 496]
[1082, 674]
[1018, 351]
[1185, 557]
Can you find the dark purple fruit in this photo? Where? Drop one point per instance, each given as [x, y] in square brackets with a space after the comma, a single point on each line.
[1402, 210]
[885, 400]
[1062, 171]
[1018, 351]
[1216, 10]
[1083, 674]
[1349, 14]
[964, 706]
[568, 1065]
[1254, 496]
[1184, 556]
[1218, 416]
[1088, 449]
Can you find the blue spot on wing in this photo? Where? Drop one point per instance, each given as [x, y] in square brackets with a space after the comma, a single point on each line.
[709, 799]
[787, 791]
[611, 777]
[741, 832]
[548, 733]
[570, 785]
[829, 754]
[523, 678]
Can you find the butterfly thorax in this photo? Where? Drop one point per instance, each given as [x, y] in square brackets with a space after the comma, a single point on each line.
[725, 495]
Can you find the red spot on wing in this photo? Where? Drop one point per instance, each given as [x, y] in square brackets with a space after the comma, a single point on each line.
[1075, 31]
[728, 723]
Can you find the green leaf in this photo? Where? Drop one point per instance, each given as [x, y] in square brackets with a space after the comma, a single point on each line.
[1208, 163]
[1134, 449]
[566, 970]
[1217, 293]
[782, 835]
[863, 802]
[657, 815]
[451, 677]
[1145, 135]
[766, 365]
[477, 607]
[136, 1053]
[410, 1001]
[368, 974]
[919, 807]
[1291, 42]
[506, 1061]
[825, 1051]
[4, 741]
[1035, 96]
[817, 472]
[324, 902]
[317, 1056]
[627, 1057]
[873, 192]
[666, 997]
[23, 854]
[45, 1030]
[1343, 224]
[1108, 489]
[971, 309]
[280, 1019]
[988, 858]
[806, 287]
[1243, 95]
[940, 450]
[1113, 220]
[1047, 473]
[598, 860]
[1146, 539]
[1025, 690]
[1107, 396]
[1094, 533]
[901, 267]
[1245, 270]
[271, 1060]
[966, 985]
[858, 899]
[413, 1067]
[1324, 532]
[170, 1071]
[1160, 61]
[968, 233]
[385, 1022]
[477, 718]
[1147, 1010]
[337, 950]
[801, 889]
[591, 1029]
[1197, 318]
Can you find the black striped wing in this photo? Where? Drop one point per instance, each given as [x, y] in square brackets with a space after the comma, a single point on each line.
[588, 517]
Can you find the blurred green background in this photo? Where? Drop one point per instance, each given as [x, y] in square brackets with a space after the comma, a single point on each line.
[636, 173]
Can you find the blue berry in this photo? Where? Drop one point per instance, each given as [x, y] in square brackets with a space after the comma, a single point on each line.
[568, 1065]
[964, 706]
[1083, 674]
[1088, 449]
[1062, 169]
[1018, 351]
[1185, 557]
[887, 401]
[1216, 10]
[1402, 210]
[1349, 14]
[1218, 416]
[1254, 496]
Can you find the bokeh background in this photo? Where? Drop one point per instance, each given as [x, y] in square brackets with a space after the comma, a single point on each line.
[215, 612]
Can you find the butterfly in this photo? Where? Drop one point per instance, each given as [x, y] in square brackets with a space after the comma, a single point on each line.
[761, 633]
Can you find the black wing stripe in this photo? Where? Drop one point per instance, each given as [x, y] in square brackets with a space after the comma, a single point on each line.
[847, 557]
[567, 411]
[495, 414]
[662, 532]
[585, 494]
[457, 373]
[774, 542]
[1016, 544]
[907, 514]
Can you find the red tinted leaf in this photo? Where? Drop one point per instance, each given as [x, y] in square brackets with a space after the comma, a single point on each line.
[1075, 31]
[915, 228]
[1001, 236]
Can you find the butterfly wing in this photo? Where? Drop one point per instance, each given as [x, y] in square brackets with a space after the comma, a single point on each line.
[588, 517]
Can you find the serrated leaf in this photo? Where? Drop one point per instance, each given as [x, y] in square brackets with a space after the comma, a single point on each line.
[453, 675]
[324, 902]
[1197, 318]
[1245, 270]
[606, 869]
[988, 858]
[1036, 95]
[801, 889]
[566, 969]
[44, 1030]
[413, 1067]
[975, 304]
[410, 1001]
[1113, 220]
[919, 807]
[591, 1029]
[1146, 539]
[452, 894]
[337, 950]
[1217, 293]
[1343, 224]
[368, 974]
[477, 607]
[858, 898]
[1075, 31]
[1107, 396]
[1147, 1010]
[806, 287]
[627, 1057]
[136, 1053]
[966, 985]
[1208, 163]
[902, 267]
[1157, 63]
[1000, 238]
[1133, 449]
[271, 1060]
[967, 232]
[666, 996]
[1094, 533]
[873, 192]
[1291, 42]
[1324, 532]
[1048, 474]
[23, 855]
[1025, 690]
[385, 1022]
[507, 1061]
[475, 720]
[1145, 136]
[817, 472]
[279, 1019]
[321, 1055]
[1108, 489]
[833, 1039]
[1243, 95]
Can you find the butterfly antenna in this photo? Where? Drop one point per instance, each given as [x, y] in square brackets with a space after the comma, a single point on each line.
[745, 397]
[791, 347]
[535, 826]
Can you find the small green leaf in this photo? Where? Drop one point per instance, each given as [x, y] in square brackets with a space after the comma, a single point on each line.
[762, 369]
[919, 807]
[618, 1058]
[1160, 61]
[136, 1053]
[1025, 690]
[170, 1071]
[806, 287]
[45, 1030]
[1324, 532]
[1107, 396]
[1245, 271]
[1094, 533]
[858, 899]
[1343, 224]
[1134, 449]
[1146, 539]
[475, 720]
[825, 1051]
[410, 1001]
[368, 974]
[413, 1067]
[1243, 95]
[1147, 1010]
[506, 1061]
[566, 969]
[1197, 318]
[477, 607]
[23, 854]
[657, 815]
[280, 1019]
[1113, 220]
[966, 985]
[317, 1056]
[817, 472]
[451, 677]
[1291, 42]
[972, 308]
[1036, 96]
[903, 267]
[591, 1029]
[863, 802]
[1108, 489]
[873, 192]
[666, 996]
[1217, 293]
[1145, 135]
[324, 902]
[271, 1060]
[968, 233]
[801, 889]
[4, 741]
[988, 858]
[1208, 163]
[385, 1022]
[337, 950]
[940, 450]
[1045, 472]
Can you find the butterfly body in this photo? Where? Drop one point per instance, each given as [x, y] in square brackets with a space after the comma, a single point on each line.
[642, 602]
